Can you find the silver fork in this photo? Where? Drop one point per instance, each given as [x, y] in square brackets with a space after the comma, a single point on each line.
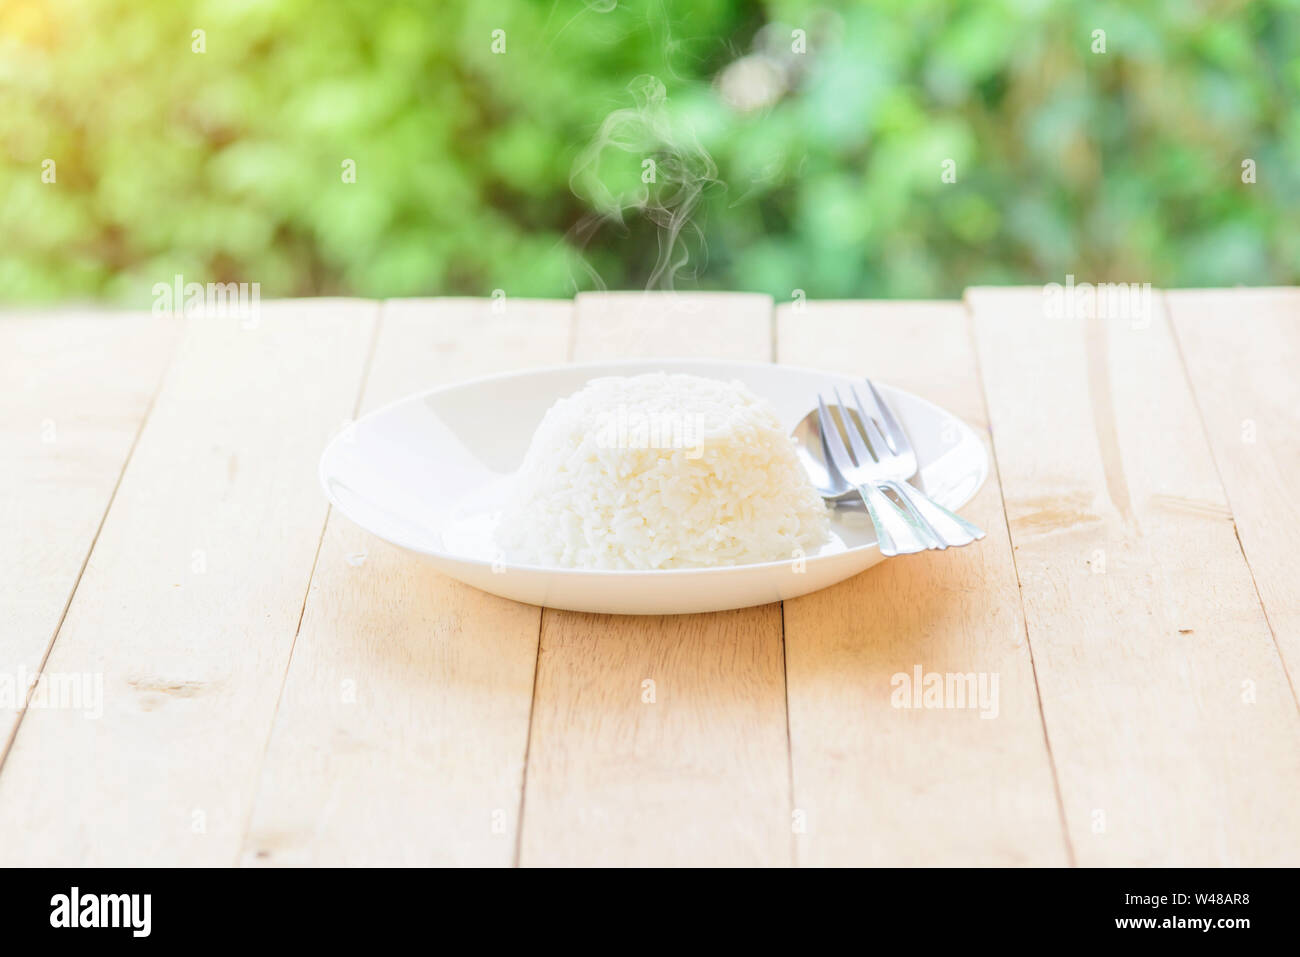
[896, 463]
[897, 532]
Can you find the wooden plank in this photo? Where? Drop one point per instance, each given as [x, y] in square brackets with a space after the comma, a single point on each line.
[880, 785]
[77, 388]
[401, 732]
[1242, 348]
[639, 325]
[1174, 734]
[696, 772]
[190, 600]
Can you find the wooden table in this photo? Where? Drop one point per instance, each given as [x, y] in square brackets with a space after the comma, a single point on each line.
[277, 687]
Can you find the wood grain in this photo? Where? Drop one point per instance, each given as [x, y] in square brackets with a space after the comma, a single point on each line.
[1174, 734]
[702, 325]
[1242, 349]
[691, 769]
[189, 603]
[883, 785]
[401, 732]
[1159, 640]
[76, 391]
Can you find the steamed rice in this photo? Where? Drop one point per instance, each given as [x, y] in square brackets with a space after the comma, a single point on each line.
[660, 471]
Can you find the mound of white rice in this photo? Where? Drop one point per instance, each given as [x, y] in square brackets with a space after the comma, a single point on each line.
[660, 471]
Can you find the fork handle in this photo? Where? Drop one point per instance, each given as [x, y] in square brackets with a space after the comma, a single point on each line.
[897, 533]
[950, 527]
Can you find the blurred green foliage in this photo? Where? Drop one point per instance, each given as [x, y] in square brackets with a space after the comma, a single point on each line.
[775, 168]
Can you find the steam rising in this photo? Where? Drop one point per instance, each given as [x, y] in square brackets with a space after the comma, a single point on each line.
[670, 172]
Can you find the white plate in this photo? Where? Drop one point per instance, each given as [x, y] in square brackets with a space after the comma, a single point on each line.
[428, 473]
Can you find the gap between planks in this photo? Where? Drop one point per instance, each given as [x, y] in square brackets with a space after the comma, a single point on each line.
[1160, 758]
[969, 328]
[1216, 452]
[609, 777]
[306, 593]
[159, 623]
[520, 823]
[424, 760]
[883, 785]
[85, 559]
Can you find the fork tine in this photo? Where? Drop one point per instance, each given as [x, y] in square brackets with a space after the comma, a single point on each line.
[831, 436]
[877, 440]
[863, 454]
[897, 437]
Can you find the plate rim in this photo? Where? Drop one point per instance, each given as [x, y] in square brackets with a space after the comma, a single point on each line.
[629, 573]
